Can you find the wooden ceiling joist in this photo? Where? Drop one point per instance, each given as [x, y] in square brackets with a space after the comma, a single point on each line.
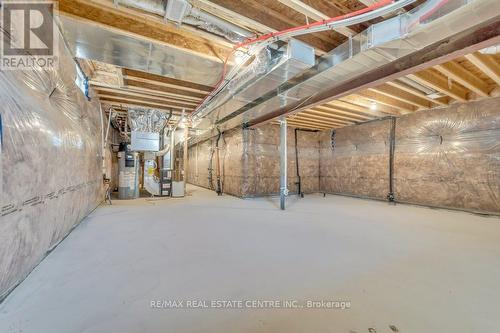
[104, 95]
[134, 93]
[165, 81]
[350, 107]
[335, 114]
[366, 105]
[386, 100]
[404, 87]
[315, 14]
[402, 96]
[133, 82]
[302, 118]
[140, 105]
[138, 24]
[313, 116]
[344, 111]
[309, 124]
[441, 84]
[134, 102]
[459, 74]
[305, 126]
[487, 64]
[268, 13]
[232, 16]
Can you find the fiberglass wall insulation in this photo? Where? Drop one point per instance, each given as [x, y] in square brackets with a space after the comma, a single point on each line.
[450, 157]
[202, 162]
[51, 164]
[358, 162]
[261, 161]
[250, 161]
[446, 157]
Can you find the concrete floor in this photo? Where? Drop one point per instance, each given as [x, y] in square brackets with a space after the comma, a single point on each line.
[403, 268]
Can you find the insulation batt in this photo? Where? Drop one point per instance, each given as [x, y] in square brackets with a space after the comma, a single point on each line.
[250, 161]
[445, 157]
[51, 164]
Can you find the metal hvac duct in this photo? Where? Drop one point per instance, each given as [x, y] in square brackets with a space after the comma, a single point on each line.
[380, 44]
[90, 41]
[272, 67]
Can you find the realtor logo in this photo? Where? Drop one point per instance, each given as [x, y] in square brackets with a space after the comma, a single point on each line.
[28, 33]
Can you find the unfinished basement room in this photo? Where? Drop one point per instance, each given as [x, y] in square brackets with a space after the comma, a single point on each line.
[250, 166]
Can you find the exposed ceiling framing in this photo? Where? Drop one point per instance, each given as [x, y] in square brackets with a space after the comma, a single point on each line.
[459, 78]
[131, 88]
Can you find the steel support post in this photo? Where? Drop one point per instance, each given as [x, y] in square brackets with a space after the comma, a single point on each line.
[283, 162]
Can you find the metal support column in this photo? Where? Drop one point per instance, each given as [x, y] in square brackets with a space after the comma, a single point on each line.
[283, 164]
[185, 156]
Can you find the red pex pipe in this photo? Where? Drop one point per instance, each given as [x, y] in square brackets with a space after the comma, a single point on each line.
[262, 38]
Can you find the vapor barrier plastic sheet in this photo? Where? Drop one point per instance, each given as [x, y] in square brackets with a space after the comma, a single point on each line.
[446, 157]
[51, 164]
[450, 157]
[261, 161]
[250, 162]
[202, 163]
[355, 160]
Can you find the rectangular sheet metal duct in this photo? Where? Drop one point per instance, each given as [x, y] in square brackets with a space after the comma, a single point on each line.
[90, 41]
[270, 70]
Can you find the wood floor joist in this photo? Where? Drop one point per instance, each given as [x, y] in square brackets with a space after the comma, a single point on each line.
[402, 96]
[441, 84]
[316, 15]
[104, 95]
[487, 64]
[165, 81]
[137, 24]
[404, 87]
[335, 114]
[350, 107]
[378, 98]
[306, 126]
[309, 124]
[316, 117]
[271, 14]
[153, 86]
[459, 74]
[132, 104]
[344, 111]
[331, 122]
[141, 93]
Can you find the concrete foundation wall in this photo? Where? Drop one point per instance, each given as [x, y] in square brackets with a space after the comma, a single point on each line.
[446, 157]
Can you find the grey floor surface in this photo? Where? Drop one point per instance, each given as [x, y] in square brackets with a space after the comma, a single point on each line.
[402, 268]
